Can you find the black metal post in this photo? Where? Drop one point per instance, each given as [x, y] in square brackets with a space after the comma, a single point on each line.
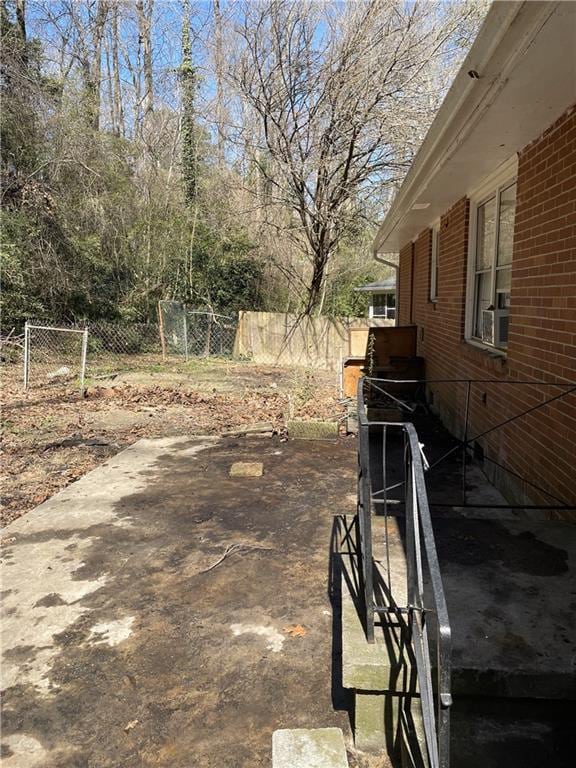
[366, 530]
[464, 442]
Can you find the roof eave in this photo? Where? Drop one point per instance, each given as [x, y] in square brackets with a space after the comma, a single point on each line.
[465, 102]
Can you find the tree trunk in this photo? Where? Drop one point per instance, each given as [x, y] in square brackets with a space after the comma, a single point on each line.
[93, 70]
[314, 299]
[144, 10]
[320, 305]
[109, 86]
[136, 84]
[218, 67]
[188, 120]
[117, 85]
[21, 17]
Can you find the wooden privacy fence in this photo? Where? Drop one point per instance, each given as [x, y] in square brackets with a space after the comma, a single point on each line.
[276, 338]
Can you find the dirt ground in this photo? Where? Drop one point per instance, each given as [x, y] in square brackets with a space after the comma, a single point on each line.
[51, 436]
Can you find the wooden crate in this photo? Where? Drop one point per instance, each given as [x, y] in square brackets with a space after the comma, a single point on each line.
[393, 341]
[358, 339]
[353, 371]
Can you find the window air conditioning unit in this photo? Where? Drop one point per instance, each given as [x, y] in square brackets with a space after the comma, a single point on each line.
[495, 327]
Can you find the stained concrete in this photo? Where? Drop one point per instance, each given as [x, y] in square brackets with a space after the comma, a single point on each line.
[135, 634]
[511, 596]
[508, 577]
[512, 733]
[45, 580]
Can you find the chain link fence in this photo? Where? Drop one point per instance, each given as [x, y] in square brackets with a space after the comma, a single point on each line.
[195, 333]
[117, 348]
[66, 356]
[182, 334]
[102, 353]
[55, 356]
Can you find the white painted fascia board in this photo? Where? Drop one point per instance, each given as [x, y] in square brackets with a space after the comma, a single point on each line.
[375, 290]
[509, 25]
[505, 172]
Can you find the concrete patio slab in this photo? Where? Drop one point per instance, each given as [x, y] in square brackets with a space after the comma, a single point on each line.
[309, 748]
[146, 607]
[508, 576]
[511, 596]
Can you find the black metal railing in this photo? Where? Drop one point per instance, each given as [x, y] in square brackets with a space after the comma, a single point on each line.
[537, 396]
[385, 483]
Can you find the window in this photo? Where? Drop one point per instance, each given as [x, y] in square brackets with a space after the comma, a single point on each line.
[383, 305]
[434, 263]
[491, 256]
[391, 306]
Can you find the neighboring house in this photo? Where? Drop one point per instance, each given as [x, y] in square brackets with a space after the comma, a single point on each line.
[382, 298]
[485, 225]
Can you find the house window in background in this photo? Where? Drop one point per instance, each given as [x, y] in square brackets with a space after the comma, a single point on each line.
[492, 267]
[383, 305]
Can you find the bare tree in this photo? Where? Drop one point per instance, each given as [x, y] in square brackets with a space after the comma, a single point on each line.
[81, 29]
[21, 17]
[337, 90]
[219, 75]
[92, 64]
[144, 11]
[119, 126]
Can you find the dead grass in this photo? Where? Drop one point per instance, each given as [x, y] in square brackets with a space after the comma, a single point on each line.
[51, 437]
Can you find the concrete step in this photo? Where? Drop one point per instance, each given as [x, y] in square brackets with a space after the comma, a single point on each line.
[387, 663]
[309, 748]
[509, 587]
[387, 707]
[508, 576]
[513, 733]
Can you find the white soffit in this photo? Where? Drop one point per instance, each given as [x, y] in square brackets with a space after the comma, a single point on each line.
[525, 55]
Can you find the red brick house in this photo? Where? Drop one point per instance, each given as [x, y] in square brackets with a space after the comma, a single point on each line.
[485, 228]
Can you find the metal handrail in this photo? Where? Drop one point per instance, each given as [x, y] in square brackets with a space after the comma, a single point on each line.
[420, 550]
[468, 439]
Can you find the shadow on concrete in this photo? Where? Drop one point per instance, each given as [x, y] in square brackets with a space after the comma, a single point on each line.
[508, 580]
[400, 702]
[160, 649]
[342, 698]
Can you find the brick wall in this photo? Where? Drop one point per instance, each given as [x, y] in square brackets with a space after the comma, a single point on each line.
[404, 289]
[421, 278]
[540, 447]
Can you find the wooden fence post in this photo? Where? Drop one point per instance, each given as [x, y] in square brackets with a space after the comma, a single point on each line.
[161, 329]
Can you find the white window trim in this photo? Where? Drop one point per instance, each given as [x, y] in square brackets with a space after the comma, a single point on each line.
[504, 175]
[386, 306]
[434, 252]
